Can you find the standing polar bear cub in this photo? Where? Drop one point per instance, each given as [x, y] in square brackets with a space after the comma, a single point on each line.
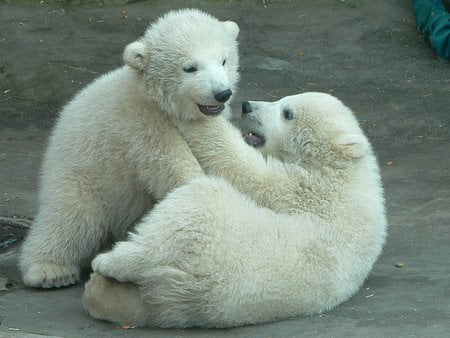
[290, 228]
[115, 150]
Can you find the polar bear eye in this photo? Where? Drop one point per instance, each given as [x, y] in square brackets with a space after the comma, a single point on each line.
[189, 69]
[288, 114]
[224, 61]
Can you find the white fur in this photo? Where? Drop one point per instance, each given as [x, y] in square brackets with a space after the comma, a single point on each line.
[114, 149]
[296, 231]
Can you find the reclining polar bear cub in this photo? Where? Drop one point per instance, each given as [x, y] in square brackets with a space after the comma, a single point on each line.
[114, 149]
[290, 228]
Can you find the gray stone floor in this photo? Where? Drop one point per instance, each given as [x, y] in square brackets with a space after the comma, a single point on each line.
[368, 53]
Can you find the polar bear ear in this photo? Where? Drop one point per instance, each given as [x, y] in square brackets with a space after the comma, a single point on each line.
[352, 146]
[133, 55]
[232, 27]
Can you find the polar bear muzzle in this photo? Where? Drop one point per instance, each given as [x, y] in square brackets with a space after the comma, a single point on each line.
[221, 97]
[251, 138]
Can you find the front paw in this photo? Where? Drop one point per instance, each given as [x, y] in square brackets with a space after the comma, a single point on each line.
[102, 264]
[109, 265]
[50, 275]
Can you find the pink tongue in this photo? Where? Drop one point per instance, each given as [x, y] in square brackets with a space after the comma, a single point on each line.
[213, 108]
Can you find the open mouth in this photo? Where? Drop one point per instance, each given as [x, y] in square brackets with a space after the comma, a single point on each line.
[211, 110]
[254, 139]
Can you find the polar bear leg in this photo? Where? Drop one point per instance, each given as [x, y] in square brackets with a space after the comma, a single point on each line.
[107, 299]
[62, 238]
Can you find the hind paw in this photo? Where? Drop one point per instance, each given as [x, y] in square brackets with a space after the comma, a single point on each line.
[95, 295]
[107, 299]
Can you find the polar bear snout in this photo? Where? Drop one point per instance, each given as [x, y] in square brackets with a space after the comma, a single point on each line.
[223, 95]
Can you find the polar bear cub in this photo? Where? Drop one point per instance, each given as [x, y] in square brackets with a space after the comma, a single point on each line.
[114, 149]
[292, 227]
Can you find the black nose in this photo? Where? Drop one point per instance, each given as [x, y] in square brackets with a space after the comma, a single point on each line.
[223, 96]
[246, 108]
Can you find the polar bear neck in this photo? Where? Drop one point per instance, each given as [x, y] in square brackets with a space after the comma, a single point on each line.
[322, 189]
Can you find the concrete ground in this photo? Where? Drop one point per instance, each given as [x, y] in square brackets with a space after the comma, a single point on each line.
[368, 53]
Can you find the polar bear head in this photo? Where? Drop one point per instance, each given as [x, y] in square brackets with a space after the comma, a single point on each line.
[308, 128]
[189, 61]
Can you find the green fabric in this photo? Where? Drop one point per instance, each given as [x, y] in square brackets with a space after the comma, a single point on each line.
[433, 22]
